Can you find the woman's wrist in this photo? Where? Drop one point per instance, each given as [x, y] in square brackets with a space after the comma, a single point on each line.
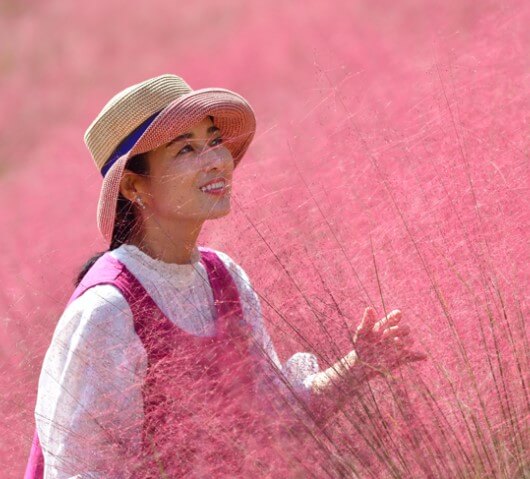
[332, 387]
[334, 376]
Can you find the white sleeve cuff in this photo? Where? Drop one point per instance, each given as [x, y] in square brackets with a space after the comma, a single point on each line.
[299, 370]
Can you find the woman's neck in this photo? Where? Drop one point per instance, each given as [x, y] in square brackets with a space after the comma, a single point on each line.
[174, 243]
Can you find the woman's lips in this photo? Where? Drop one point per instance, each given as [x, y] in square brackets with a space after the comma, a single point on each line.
[219, 192]
[217, 187]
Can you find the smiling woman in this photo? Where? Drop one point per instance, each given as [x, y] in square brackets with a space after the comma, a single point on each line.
[161, 364]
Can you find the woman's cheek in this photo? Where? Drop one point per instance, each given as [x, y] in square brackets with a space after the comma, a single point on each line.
[165, 195]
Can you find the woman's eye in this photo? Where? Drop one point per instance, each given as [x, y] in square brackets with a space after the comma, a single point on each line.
[189, 148]
[185, 150]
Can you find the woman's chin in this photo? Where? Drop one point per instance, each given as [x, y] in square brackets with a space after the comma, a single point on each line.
[218, 214]
[215, 211]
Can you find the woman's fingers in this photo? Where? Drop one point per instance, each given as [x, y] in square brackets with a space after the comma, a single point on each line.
[368, 322]
[394, 331]
[390, 319]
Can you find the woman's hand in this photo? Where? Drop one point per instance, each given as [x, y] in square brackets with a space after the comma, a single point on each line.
[383, 345]
[380, 346]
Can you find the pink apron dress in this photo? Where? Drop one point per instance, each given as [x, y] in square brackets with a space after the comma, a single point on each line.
[201, 415]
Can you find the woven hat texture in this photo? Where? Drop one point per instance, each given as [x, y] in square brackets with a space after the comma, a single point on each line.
[128, 109]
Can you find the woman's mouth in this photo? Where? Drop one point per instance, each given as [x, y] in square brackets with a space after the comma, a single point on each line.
[218, 187]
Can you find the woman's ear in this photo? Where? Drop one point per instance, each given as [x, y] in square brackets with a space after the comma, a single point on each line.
[132, 186]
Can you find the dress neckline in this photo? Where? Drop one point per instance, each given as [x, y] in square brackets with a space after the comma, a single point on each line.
[183, 271]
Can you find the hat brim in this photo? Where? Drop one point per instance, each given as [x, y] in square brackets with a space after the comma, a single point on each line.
[233, 116]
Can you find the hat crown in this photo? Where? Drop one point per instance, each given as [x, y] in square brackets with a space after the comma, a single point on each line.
[129, 108]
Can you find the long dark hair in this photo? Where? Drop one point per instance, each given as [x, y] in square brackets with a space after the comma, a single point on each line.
[126, 216]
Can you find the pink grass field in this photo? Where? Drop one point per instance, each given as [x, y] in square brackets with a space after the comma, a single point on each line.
[390, 168]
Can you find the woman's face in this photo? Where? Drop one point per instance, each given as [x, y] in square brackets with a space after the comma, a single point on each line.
[190, 177]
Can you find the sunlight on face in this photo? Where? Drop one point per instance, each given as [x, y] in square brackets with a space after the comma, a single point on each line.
[181, 170]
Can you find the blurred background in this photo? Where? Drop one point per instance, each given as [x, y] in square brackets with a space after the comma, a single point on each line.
[390, 168]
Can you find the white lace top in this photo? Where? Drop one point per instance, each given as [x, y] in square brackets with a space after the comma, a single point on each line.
[96, 360]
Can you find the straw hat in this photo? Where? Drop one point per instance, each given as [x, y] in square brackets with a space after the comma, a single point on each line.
[151, 113]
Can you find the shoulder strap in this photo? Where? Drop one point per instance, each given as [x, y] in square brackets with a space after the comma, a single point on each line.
[225, 293]
[104, 271]
[226, 296]
[108, 270]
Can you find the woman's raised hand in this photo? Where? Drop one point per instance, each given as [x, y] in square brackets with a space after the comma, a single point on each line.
[383, 345]
[379, 347]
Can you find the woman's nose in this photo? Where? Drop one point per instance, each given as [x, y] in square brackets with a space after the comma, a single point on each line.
[215, 158]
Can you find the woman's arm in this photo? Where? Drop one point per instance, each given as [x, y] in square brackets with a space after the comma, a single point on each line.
[89, 409]
[379, 347]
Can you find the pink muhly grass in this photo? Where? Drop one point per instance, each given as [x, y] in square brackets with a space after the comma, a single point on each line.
[390, 169]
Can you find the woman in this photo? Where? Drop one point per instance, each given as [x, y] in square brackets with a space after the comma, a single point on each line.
[161, 363]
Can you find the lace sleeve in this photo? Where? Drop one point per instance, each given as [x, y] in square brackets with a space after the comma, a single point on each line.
[89, 408]
[298, 371]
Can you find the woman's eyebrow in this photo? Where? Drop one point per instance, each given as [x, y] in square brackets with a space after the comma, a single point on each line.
[188, 136]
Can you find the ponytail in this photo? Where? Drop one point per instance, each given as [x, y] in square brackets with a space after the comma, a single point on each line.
[126, 218]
